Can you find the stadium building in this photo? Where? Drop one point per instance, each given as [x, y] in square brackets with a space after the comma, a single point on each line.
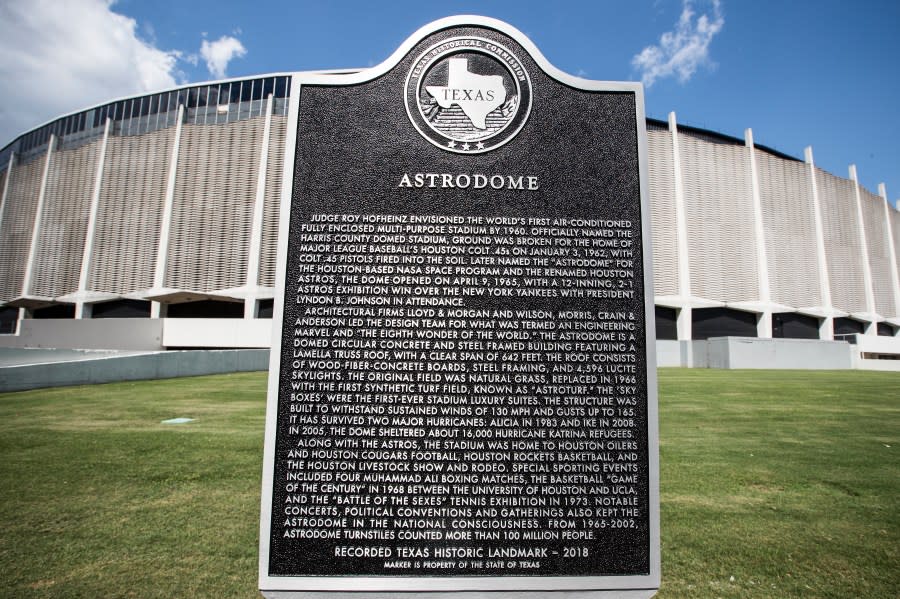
[150, 222]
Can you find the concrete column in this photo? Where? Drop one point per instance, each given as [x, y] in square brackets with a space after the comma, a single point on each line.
[9, 169]
[81, 309]
[162, 252]
[826, 328]
[36, 229]
[871, 326]
[826, 325]
[256, 230]
[764, 322]
[683, 322]
[892, 251]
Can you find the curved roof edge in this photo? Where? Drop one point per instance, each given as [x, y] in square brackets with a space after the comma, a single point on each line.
[728, 139]
[722, 137]
[163, 91]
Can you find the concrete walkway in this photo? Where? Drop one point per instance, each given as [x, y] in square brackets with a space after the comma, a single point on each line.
[22, 369]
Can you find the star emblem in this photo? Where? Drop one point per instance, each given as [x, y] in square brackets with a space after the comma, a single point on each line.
[480, 145]
[466, 146]
[451, 144]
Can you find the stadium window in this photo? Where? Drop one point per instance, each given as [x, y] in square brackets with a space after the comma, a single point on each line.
[130, 112]
[666, 323]
[790, 325]
[57, 311]
[265, 307]
[848, 326]
[722, 322]
[280, 87]
[885, 330]
[121, 309]
[8, 320]
[206, 309]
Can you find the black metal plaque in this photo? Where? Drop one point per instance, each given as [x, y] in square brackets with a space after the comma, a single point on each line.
[462, 391]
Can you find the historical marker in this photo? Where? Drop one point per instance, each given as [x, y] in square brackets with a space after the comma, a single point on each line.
[462, 393]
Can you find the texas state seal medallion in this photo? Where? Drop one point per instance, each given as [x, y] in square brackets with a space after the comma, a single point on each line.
[468, 95]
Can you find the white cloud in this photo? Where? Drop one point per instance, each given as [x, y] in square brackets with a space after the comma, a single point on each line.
[683, 51]
[56, 57]
[219, 53]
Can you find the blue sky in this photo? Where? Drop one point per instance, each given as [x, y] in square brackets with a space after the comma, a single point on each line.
[820, 73]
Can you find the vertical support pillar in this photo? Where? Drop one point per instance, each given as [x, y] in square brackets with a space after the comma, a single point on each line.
[683, 322]
[892, 251]
[162, 252]
[36, 229]
[872, 325]
[81, 309]
[9, 169]
[826, 326]
[256, 230]
[764, 322]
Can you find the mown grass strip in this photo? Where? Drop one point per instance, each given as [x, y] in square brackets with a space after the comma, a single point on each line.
[774, 484]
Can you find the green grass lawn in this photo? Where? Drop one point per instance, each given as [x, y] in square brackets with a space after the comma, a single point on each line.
[780, 484]
[774, 484]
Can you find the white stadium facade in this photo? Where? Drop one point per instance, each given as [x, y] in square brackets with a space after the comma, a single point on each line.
[150, 223]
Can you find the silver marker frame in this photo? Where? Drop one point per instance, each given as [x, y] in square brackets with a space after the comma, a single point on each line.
[433, 587]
